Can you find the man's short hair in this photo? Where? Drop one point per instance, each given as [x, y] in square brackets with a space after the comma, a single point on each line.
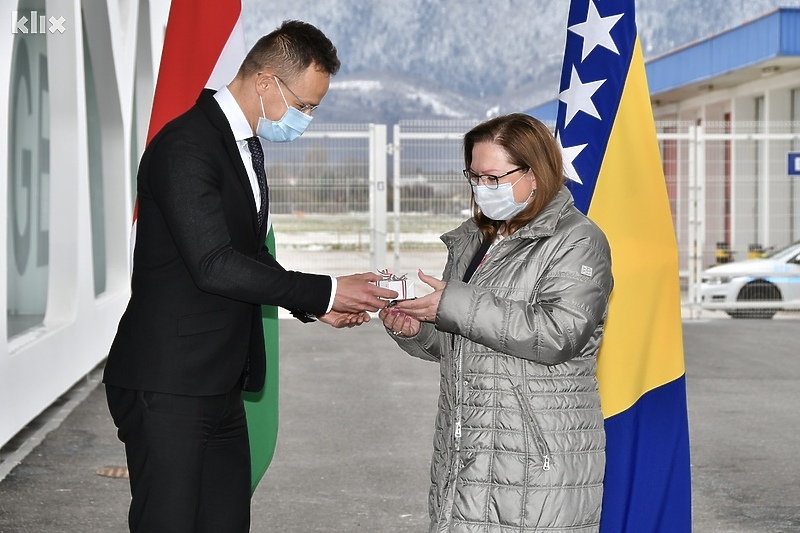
[291, 49]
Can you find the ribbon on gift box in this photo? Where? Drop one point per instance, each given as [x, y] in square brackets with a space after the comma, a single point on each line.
[399, 284]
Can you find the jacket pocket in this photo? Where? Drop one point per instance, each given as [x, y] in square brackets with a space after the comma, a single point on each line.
[202, 323]
[532, 427]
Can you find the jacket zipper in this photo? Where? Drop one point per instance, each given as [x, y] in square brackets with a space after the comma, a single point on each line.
[459, 381]
[536, 431]
[459, 398]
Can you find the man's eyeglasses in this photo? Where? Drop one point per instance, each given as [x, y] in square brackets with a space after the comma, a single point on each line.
[303, 107]
[487, 179]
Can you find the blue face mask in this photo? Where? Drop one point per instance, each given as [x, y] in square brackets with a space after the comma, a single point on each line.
[290, 126]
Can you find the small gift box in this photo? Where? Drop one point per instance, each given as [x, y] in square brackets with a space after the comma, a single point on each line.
[400, 284]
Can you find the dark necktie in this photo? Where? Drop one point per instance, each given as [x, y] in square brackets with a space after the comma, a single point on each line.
[257, 156]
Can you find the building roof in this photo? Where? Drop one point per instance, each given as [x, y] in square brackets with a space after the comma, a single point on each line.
[761, 47]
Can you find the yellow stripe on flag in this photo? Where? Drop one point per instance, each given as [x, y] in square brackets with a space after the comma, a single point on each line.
[643, 330]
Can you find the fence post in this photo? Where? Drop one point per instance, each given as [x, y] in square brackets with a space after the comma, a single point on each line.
[396, 194]
[377, 196]
[764, 237]
[696, 212]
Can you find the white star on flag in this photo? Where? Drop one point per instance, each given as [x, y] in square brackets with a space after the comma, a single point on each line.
[568, 156]
[578, 97]
[596, 31]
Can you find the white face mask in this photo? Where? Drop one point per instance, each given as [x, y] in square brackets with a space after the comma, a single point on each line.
[499, 203]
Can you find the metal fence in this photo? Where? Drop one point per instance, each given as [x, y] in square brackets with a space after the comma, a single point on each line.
[732, 197]
[333, 195]
[327, 194]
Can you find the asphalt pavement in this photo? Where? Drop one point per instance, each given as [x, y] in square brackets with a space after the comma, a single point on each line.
[356, 425]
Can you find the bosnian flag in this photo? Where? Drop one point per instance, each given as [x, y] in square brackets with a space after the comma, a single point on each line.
[204, 46]
[606, 130]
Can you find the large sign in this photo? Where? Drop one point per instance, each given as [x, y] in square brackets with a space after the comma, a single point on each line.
[28, 177]
[793, 163]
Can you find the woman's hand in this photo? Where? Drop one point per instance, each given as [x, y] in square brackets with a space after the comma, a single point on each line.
[424, 309]
[398, 322]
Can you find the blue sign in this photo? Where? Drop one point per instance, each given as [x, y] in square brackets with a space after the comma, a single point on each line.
[793, 163]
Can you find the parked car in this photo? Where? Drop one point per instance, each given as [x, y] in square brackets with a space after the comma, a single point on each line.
[738, 288]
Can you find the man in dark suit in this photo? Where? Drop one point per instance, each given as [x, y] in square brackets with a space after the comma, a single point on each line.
[191, 338]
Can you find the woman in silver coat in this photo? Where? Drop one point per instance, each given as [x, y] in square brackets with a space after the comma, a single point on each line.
[515, 324]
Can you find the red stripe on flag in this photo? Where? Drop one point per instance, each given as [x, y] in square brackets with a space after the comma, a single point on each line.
[197, 31]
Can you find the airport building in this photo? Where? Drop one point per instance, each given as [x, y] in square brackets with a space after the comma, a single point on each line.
[80, 81]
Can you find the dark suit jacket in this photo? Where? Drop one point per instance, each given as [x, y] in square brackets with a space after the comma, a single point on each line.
[201, 270]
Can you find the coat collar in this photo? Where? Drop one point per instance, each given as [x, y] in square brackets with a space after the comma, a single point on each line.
[211, 108]
[234, 115]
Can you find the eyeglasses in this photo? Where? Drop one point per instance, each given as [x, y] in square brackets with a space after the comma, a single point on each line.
[487, 179]
[303, 107]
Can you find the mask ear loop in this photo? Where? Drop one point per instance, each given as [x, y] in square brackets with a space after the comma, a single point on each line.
[278, 84]
[533, 191]
[261, 99]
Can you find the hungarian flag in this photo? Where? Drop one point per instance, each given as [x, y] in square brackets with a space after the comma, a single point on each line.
[203, 47]
[607, 134]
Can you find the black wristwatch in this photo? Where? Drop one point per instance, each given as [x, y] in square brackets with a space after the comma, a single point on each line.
[304, 316]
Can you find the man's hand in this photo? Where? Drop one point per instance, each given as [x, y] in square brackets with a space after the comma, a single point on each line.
[344, 320]
[358, 292]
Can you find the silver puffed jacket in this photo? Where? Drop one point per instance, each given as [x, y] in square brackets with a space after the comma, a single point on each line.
[519, 444]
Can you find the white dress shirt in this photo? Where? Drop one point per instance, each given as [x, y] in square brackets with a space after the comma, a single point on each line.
[241, 132]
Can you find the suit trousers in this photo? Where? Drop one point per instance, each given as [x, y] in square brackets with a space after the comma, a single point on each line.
[188, 459]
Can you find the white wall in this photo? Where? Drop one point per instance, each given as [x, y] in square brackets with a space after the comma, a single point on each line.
[124, 43]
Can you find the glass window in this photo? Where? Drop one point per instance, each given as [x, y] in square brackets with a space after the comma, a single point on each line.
[28, 239]
[95, 143]
[134, 152]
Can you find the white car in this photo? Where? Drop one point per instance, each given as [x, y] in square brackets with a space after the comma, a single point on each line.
[755, 288]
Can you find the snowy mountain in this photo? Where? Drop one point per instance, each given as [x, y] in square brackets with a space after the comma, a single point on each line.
[441, 59]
